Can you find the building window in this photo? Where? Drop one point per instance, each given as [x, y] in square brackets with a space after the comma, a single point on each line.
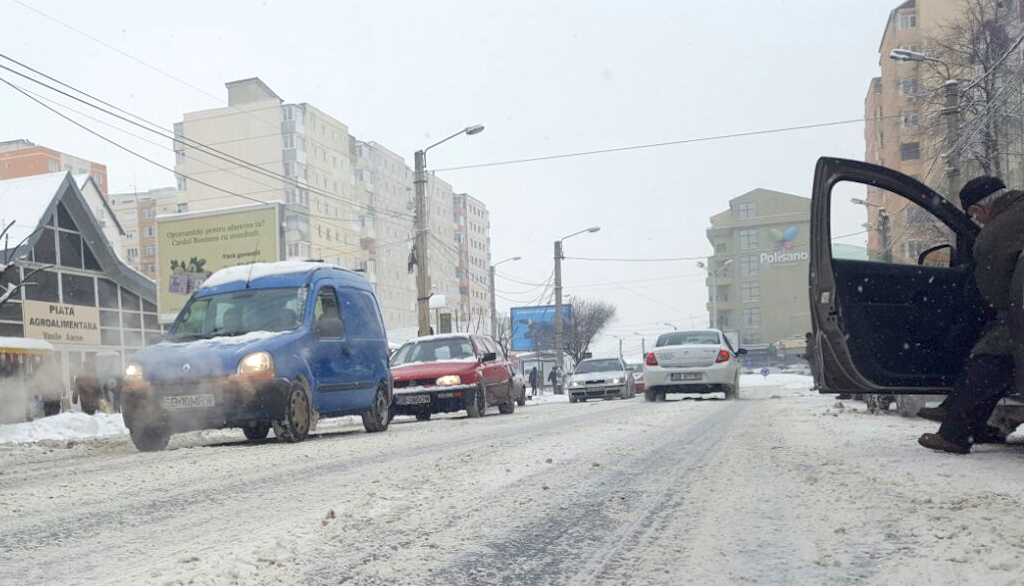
[721, 247]
[149, 250]
[182, 183]
[179, 157]
[750, 292]
[906, 19]
[51, 165]
[748, 239]
[289, 169]
[910, 119]
[910, 151]
[132, 253]
[182, 208]
[752, 317]
[289, 141]
[288, 113]
[751, 338]
[909, 87]
[749, 266]
[747, 210]
[148, 232]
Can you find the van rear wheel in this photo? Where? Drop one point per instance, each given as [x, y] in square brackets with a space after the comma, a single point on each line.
[379, 416]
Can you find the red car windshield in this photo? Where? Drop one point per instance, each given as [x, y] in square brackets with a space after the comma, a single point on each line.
[442, 350]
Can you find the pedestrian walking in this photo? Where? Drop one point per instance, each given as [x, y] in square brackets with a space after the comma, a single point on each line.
[553, 379]
[534, 381]
[765, 371]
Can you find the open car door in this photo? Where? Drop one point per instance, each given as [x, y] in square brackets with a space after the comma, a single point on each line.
[899, 320]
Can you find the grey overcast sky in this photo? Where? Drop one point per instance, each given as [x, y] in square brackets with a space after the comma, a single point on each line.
[544, 77]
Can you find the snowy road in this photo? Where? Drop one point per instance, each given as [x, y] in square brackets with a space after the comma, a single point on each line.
[778, 488]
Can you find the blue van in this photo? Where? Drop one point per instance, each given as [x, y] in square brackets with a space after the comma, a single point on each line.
[261, 346]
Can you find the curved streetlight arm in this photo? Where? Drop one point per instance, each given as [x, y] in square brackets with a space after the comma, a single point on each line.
[591, 229]
[514, 258]
[477, 129]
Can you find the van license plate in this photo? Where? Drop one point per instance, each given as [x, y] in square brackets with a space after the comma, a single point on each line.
[412, 399]
[188, 402]
[686, 376]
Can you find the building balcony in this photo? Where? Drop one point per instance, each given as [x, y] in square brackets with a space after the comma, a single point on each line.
[720, 280]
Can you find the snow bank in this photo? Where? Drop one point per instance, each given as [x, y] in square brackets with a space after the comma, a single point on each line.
[782, 385]
[71, 425]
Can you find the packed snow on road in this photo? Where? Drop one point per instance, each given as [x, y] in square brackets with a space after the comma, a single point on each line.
[782, 486]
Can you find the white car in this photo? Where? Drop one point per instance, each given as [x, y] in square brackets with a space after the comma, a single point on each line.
[699, 361]
[600, 378]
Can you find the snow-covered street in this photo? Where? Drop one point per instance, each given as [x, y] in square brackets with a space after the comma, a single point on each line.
[780, 487]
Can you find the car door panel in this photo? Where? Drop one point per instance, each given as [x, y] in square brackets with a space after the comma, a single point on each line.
[882, 327]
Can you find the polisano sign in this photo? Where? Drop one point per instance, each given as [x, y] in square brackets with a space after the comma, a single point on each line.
[784, 257]
[60, 323]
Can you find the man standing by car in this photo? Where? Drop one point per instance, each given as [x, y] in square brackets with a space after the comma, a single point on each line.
[988, 373]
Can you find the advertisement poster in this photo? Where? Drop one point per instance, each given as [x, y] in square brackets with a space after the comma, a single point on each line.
[191, 247]
[533, 328]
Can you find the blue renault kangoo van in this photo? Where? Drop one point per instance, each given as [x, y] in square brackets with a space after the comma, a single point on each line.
[264, 346]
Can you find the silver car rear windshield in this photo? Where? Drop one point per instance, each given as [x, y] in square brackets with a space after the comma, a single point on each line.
[689, 339]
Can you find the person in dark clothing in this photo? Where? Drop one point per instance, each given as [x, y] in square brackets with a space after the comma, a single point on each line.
[988, 373]
[534, 380]
[553, 378]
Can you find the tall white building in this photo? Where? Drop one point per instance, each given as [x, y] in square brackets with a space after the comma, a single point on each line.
[473, 238]
[349, 202]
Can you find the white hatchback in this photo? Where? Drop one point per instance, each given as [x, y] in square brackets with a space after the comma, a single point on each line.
[699, 361]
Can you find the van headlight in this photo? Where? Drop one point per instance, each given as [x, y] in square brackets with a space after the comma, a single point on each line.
[133, 373]
[257, 364]
[449, 380]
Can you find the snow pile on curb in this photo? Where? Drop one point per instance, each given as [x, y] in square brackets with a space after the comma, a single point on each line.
[789, 385]
[65, 426]
[547, 399]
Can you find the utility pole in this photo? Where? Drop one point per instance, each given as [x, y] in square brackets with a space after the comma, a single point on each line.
[952, 114]
[494, 309]
[883, 233]
[643, 344]
[559, 326]
[422, 271]
[422, 264]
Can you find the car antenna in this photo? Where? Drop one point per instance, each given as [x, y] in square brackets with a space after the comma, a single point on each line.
[252, 264]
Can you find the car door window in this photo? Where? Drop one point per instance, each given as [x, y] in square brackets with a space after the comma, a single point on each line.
[326, 307]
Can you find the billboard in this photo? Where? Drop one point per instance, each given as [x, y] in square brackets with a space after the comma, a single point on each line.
[191, 247]
[533, 328]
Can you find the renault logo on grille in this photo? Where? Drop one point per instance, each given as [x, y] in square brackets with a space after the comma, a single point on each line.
[186, 368]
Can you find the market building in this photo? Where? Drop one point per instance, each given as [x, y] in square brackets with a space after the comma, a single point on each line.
[78, 295]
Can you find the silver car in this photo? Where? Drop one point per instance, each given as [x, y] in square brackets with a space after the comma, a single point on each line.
[600, 378]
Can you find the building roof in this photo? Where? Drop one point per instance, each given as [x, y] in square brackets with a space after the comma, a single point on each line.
[31, 201]
[24, 201]
[85, 179]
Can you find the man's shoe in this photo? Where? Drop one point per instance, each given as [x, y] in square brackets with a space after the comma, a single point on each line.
[936, 414]
[934, 441]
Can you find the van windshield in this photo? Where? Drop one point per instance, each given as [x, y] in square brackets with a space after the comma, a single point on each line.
[241, 312]
[689, 339]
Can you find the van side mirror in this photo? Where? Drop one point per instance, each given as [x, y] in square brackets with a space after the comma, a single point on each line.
[489, 357]
[923, 257]
[741, 352]
[328, 327]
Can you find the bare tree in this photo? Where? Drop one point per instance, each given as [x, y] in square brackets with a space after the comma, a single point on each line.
[9, 269]
[589, 318]
[976, 49]
[504, 334]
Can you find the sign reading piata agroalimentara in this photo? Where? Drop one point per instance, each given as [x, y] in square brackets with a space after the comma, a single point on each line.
[60, 323]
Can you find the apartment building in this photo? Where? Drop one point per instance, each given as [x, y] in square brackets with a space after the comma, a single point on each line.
[472, 235]
[23, 158]
[348, 201]
[757, 276]
[908, 127]
[137, 214]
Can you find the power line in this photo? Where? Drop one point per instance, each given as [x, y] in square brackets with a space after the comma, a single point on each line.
[664, 144]
[203, 148]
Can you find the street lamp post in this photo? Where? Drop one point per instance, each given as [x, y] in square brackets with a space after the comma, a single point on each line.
[951, 111]
[619, 338]
[559, 326]
[643, 343]
[494, 304]
[883, 228]
[674, 328]
[422, 272]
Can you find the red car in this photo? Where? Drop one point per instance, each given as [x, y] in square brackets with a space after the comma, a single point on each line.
[451, 372]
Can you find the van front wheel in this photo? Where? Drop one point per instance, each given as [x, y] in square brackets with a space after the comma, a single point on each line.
[298, 414]
[379, 415]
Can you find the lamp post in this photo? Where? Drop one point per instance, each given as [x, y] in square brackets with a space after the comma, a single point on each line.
[643, 343]
[883, 228]
[620, 339]
[670, 325]
[951, 111]
[422, 273]
[559, 326]
[714, 288]
[494, 303]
